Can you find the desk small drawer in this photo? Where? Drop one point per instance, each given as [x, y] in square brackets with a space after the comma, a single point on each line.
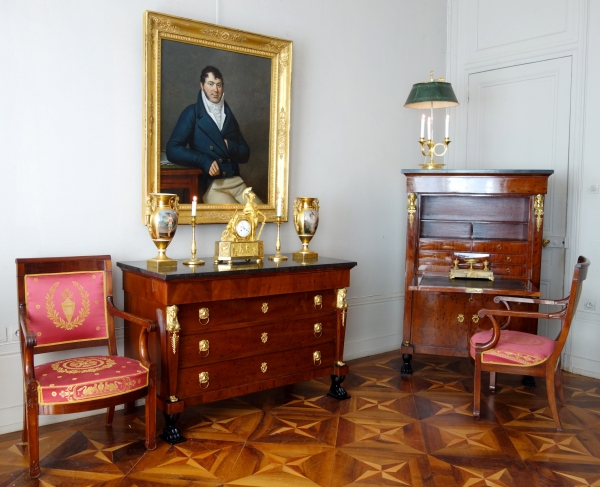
[509, 270]
[507, 259]
[215, 346]
[439, 244]
[436, 256]
[197, 317]
[501, 247]
[193, 381]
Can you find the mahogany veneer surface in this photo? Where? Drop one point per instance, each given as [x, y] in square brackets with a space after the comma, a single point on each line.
[491, 212]
[259, 331]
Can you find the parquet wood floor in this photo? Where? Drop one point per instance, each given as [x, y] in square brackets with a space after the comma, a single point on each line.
[393, 431]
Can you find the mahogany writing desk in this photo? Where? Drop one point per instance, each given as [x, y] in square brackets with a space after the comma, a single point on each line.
[497, 213]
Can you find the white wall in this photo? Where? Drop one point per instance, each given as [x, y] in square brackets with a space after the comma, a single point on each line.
[70, 132]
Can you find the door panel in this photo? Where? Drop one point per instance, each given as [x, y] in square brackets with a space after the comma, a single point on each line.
[519, 118]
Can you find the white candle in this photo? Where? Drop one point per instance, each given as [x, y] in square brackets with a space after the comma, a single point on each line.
[428, 128]
[447, 124]
[422, 125]
[194, 206]
[279, 211]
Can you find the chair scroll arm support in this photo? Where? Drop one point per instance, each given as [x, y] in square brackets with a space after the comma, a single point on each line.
[28, 342]
[148, 326]
[30, 339]
[493, 341]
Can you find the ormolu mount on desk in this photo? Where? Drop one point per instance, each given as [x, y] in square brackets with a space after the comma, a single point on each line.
[470, 273]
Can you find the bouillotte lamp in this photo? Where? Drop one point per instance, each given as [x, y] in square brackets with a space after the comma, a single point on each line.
[432, 94]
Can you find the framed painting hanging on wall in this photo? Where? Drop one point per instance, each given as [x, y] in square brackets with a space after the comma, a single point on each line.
[216, 116]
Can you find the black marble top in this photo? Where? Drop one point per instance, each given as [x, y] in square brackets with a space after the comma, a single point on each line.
[460, 172]
[209, 269]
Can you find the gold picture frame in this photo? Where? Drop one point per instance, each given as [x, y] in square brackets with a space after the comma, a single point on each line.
[256, 68]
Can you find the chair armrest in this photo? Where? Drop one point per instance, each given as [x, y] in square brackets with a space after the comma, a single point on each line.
[149, 325]
[520, 314]
[515, 299]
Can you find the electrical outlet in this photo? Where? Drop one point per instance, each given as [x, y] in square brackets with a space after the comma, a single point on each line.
[13, 334]
[589, 305]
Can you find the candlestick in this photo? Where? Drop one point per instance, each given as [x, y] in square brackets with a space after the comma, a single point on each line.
[278, 257]
[447, 125]
[422, 125]
[428, 128]
[193, 261]
[193, 206]
[279, 211]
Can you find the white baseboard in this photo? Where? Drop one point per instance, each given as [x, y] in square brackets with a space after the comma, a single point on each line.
[582, 366]
[12, 418]
[373, 346]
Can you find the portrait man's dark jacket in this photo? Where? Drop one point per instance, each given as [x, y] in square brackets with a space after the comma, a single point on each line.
[196, 141]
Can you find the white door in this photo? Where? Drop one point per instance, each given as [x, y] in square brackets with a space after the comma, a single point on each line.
[518, 118]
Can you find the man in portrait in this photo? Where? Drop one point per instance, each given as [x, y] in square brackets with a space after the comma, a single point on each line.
[207, 136]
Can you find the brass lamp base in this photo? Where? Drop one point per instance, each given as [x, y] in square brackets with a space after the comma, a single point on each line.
[431, 146]
[434, 165]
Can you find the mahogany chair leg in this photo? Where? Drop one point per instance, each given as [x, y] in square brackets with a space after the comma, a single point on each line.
[559, 387]
[552, 399]
[477, 387]
[24, 435]
[110, 414]
[33, 432]
[493, 381]
[151, 412]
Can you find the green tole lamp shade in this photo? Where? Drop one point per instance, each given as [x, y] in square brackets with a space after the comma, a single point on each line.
[439, 93]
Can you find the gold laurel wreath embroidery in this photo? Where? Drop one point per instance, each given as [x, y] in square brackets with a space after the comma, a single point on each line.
[55, 317]
[82, 366]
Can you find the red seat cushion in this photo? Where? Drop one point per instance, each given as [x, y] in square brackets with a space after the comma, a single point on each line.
[67, 307]
[87, 378]
[514, 348]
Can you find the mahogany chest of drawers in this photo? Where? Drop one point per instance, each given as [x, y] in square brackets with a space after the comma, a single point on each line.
[231, 330]
[495, 213]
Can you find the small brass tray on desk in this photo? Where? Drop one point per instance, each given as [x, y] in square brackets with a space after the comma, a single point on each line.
[471, 259]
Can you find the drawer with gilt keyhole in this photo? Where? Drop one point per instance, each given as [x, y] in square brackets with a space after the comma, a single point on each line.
[199, 317]
[203, 378]
[508, 259]
[444, 244]
[213, 346]
[501, 246]
[509, 270]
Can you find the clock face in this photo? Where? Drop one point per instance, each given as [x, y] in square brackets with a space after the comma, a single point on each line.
[243, 228]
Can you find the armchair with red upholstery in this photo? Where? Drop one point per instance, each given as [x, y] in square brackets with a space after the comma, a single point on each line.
[66, 303]
[513, 352]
